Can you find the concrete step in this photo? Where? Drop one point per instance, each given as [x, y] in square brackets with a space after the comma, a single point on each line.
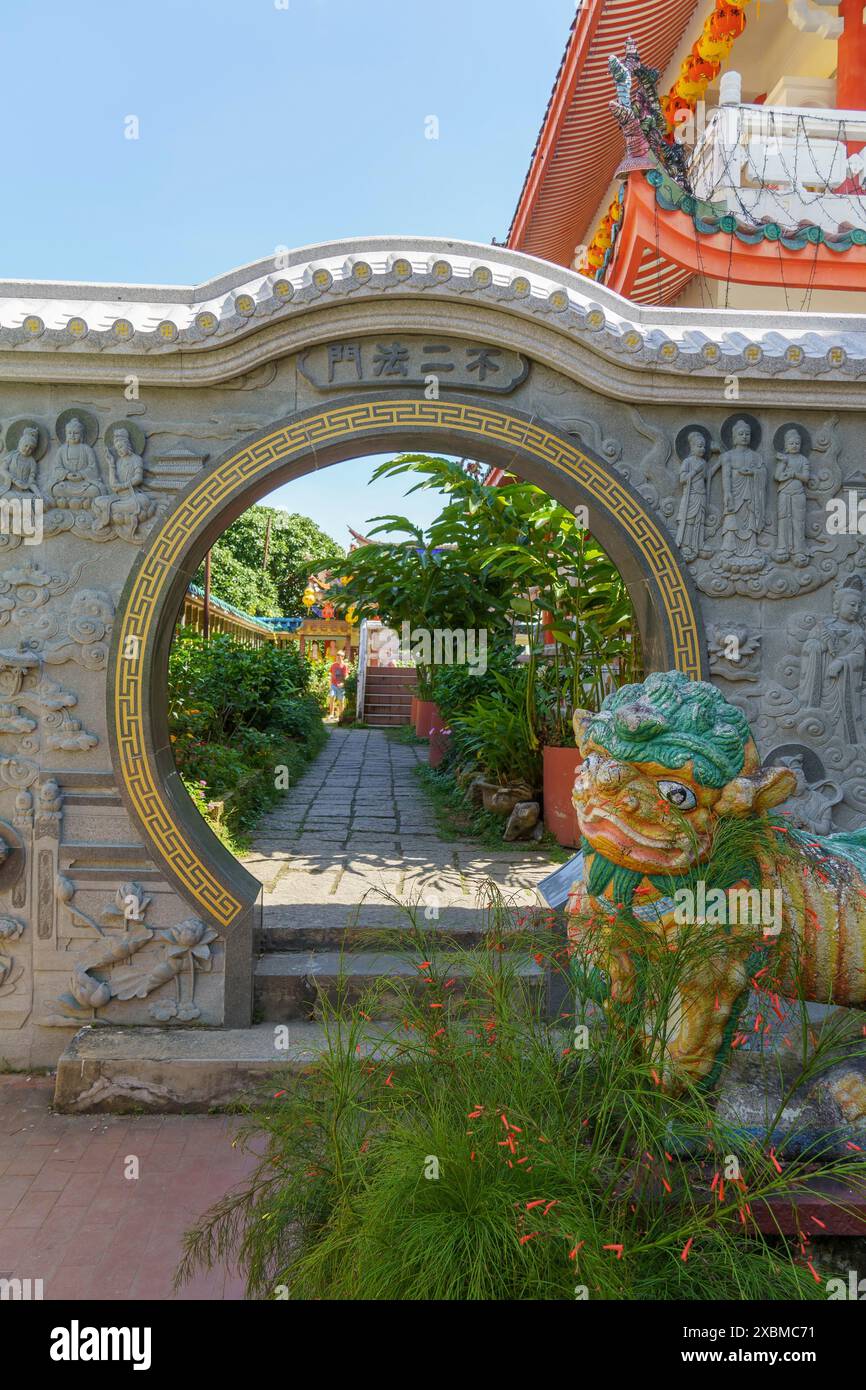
[169, 1070]
[381, 928]
[290, 985]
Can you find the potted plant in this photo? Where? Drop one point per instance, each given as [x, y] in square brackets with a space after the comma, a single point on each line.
[497, 736]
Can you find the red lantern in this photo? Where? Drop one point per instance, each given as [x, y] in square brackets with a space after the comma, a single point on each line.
[728, 21]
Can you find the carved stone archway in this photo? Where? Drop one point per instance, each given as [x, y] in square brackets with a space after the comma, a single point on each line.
[192, 857]
[146, 418]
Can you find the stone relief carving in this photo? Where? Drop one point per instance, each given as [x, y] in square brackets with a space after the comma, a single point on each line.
[734, 651]
[810, 806]
[693, 446]
[121, 932]
[10, 970]
[822, 676]
[762, 542]
[76, 495]
[792, 474]
[26, 442]
[81, 633]
[127, 505]
[28, 698]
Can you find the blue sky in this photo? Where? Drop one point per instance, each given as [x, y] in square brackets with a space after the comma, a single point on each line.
[260, 127]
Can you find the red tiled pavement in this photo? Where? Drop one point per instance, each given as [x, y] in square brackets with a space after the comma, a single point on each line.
[69, 1216]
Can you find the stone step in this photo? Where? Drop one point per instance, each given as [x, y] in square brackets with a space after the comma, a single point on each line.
[169, 1070]
[343, 927]
[290, 984]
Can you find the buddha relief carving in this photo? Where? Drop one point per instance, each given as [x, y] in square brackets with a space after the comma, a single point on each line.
[744, 485]
[832, 662]
[792, 474]
[25, 444]
[695, 474]
[127, 505]
[75, 480]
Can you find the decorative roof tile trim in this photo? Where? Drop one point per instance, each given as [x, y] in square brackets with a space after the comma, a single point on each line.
[711, 219]
[799, 345]
[233, 612]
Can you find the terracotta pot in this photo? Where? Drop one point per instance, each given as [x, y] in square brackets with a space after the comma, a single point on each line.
[439, 741]
[501, 800]
[414, 710]
[426, 715]
[560, 768]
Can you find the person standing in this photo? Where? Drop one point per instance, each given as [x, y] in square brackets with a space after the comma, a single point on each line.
[338, 673]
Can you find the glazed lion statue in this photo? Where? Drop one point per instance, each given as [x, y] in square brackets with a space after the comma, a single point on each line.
[665, 765]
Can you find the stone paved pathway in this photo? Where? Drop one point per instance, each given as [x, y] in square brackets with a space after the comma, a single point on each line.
[358, 825]
[358, 820]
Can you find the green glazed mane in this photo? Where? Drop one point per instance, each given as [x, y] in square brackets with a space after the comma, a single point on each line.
[672, 720]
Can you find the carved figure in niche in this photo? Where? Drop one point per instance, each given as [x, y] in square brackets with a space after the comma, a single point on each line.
[831, 671]
[793, 476]
[127, 505]
[744, 481]
[810, 805]
[18, 468]
[75, 480]
[694, 475]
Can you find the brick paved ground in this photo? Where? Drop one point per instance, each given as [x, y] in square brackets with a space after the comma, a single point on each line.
[68, 1215]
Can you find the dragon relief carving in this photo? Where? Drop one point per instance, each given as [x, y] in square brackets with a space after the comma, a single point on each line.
[121, 932]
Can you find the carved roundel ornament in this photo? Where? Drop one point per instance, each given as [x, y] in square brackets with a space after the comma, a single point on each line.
[727, 430]
[682, 445]
[805, 438]
[137, 437]
[17, 428]
[89, 424]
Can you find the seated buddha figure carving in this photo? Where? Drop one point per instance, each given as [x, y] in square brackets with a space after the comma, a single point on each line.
[127, 505]
[18, 467]
[75, 480]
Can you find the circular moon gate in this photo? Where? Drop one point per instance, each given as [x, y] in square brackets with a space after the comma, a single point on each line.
[192, 857]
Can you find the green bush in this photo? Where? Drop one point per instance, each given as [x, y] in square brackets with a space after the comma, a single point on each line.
[477, 1150]
[236, 715]
[495, 734]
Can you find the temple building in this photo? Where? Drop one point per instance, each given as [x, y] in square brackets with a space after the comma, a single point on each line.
[707, 155]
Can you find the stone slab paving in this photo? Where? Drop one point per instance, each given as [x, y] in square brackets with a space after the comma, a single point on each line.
[358, 825]
[69, 1216]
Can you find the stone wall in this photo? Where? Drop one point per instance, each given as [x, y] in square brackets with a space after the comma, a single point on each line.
[733, 433]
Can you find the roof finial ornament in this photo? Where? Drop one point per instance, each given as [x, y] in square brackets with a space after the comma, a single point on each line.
[638, 111]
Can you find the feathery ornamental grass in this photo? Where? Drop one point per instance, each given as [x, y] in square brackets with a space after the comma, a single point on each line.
[479, 1149]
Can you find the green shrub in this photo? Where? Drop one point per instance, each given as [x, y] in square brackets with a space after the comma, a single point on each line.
[236, 715]
[495, 735]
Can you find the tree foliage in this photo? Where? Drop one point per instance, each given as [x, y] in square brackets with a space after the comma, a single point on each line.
[297, 548]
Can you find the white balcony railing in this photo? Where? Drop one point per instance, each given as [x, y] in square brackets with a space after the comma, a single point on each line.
[785, 164]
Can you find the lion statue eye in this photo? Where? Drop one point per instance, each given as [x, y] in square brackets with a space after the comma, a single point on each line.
[678, 795]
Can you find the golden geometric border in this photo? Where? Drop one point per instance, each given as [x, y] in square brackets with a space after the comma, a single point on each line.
[137, 635]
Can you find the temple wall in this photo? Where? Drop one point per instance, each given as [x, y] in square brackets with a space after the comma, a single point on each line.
[90, 926]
